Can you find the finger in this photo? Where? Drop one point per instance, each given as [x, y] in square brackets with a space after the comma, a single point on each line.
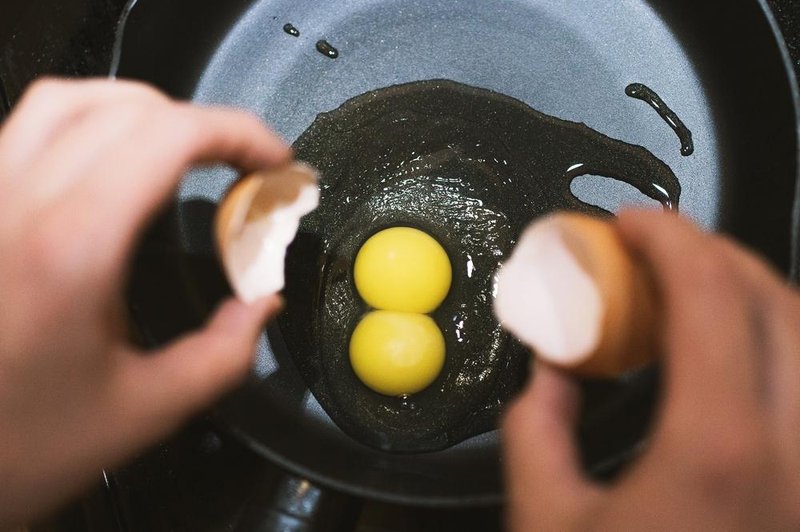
[164, 388]
[782, 319]
[710, 324]
[773, 362]
[70, 156]
[542, 466]
[764, 280]
[128, 187]
[49, 106]
[777, 308]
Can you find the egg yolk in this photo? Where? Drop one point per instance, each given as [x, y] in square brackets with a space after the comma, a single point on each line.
[402, 269]
[396, 353]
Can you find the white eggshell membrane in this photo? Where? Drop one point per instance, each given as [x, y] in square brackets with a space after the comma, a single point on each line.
[255, 258]
[547, 300]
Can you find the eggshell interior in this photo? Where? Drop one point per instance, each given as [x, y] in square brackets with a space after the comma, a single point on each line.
[547, 299]
[572, 292]
[257, 221]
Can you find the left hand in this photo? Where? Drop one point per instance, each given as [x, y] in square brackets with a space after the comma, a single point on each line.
[84, 165]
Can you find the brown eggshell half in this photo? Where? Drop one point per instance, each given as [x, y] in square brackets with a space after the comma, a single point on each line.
[255, 223]
[627, 315]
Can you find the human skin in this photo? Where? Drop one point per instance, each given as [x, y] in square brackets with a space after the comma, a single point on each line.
[83, 168]
[85, 165]
[725, 450]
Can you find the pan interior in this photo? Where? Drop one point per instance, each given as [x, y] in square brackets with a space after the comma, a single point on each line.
[471, 167]
[572, 62]
[555, 60]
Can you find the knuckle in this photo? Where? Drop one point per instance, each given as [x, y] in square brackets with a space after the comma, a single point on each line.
[128, 117]
[711, 272]
[727, 247]
[185, 127]
[139, 88]
[161, 125]
[47, 84]
[249, 120]
[45, 88]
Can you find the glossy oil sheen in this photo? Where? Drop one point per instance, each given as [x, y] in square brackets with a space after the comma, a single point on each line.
[291, 30]
[718, 68]
[648, 95]
[327, 49]
[470, 167]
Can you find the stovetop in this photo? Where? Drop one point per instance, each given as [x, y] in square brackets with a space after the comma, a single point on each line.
[202, 480]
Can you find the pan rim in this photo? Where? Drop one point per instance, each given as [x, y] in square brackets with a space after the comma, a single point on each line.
[493, 498]
[497, 498]
[788, 66]
[794, 87]
[366, 493]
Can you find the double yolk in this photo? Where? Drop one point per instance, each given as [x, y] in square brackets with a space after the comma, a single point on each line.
[403, 273]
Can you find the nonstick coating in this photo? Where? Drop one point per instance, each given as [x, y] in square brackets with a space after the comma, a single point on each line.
[723, 71]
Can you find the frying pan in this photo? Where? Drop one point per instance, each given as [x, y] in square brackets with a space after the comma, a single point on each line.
[722, 67]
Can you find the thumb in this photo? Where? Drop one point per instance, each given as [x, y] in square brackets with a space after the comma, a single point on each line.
[547, 489]
[164, 388]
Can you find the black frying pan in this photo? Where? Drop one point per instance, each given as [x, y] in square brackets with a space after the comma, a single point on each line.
[721, 66]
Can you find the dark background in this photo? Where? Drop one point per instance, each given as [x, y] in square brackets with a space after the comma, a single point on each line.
[75, 38]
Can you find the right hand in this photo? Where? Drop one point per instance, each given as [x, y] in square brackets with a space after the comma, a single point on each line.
[725, 451]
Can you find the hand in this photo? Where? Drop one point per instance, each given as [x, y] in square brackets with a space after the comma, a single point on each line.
[725, 451]
[83, 167]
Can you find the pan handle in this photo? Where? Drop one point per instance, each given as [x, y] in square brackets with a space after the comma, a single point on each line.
[294, 504]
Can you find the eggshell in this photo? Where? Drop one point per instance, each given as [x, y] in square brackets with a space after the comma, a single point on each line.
[256, 222]
[573, 293]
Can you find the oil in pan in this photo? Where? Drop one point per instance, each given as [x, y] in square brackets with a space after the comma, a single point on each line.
[472, 168]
